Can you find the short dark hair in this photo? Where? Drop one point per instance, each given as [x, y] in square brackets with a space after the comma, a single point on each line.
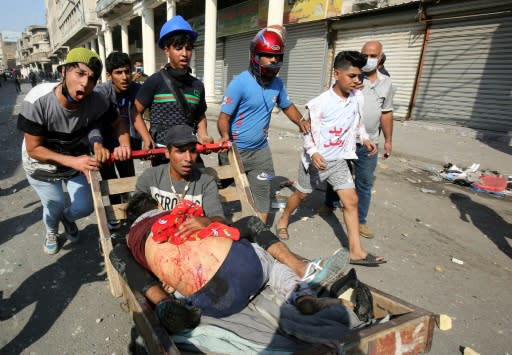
[117, 60]
[138, 204]
[346, 59]
[179, 39]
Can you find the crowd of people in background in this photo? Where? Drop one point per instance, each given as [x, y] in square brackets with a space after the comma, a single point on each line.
[33, 77]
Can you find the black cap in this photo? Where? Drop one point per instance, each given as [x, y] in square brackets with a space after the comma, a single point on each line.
[180, 135]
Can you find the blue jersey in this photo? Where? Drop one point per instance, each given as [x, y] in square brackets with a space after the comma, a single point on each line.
[250, 106]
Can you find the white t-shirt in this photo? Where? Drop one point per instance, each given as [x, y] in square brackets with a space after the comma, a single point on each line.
[335, 126]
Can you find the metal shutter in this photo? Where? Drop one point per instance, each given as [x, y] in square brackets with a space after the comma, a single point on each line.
[197, 66]
[198, 61]
[219, 70]
[304, 61]
[467, 74]
[236, 55]
[402, 45]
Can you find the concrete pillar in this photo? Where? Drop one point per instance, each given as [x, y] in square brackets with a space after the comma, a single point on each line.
[94, 45]
[275, 12]
[148, 40]
[125, 47]
[171, 9]
[101, 45]
[210, 46]
[109, 45]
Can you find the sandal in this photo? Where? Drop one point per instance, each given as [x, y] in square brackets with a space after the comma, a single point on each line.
[370, 260]
[282, 233]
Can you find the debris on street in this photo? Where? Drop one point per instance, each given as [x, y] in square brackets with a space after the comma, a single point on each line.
[466, 350]
[457, 261]
[486, 181]
[444, 322]
[427, 191]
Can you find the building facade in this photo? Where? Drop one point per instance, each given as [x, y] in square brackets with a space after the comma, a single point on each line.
[8, 41]
[71, 24]
[450, 61]
[33, 51]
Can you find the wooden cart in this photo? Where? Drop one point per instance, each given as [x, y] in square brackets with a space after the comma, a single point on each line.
[410, 330]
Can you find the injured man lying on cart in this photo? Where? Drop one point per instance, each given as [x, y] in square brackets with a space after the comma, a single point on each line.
[227, 294]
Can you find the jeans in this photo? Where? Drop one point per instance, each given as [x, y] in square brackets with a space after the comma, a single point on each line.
[363, 170]
[53, 200]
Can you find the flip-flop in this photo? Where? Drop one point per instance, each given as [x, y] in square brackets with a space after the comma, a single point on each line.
[370, 260]
[282, 233]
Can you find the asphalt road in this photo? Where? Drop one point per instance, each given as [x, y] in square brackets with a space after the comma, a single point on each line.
[61, 304]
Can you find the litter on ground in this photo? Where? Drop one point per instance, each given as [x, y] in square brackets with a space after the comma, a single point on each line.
[486, 181]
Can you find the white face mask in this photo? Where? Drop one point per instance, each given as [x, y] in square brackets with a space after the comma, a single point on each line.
[371, 65]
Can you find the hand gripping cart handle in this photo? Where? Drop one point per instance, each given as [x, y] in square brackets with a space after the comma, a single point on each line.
[200, 148]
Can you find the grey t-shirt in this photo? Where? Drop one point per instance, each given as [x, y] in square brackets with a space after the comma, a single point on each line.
[378, 99]
[64, 131]
[202, 189]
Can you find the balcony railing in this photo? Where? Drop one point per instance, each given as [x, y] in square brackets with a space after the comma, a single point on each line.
[36, 57]
[40, 38]
[103, 6]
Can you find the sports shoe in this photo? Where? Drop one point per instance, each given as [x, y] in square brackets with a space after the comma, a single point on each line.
[264, 176]
[51, 245]
[321, 273]
[366, 232]
[325, 211]
[71, 230]
[114, 224]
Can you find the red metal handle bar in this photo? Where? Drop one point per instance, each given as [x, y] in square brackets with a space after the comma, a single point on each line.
[200, 148]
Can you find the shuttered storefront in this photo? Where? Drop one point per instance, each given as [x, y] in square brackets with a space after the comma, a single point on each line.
[197, 63]
[236, 55]
[402, 45]
[304, 62]
[198, 66]
[467, 74]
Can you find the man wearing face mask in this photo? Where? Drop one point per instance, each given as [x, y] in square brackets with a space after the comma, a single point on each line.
[377, 116]
[247, 109]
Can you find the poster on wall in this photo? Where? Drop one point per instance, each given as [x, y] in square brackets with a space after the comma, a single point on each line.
[252, 15]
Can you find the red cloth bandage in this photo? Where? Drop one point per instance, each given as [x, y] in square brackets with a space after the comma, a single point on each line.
[166, 227]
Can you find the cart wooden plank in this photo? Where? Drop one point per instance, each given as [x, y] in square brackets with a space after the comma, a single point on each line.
[409, 331]
[114, 279]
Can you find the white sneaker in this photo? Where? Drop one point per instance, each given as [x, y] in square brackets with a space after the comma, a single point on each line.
[51, 244]
[321, 273]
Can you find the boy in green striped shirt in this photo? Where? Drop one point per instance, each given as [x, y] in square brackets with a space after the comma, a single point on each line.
[173, 95]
